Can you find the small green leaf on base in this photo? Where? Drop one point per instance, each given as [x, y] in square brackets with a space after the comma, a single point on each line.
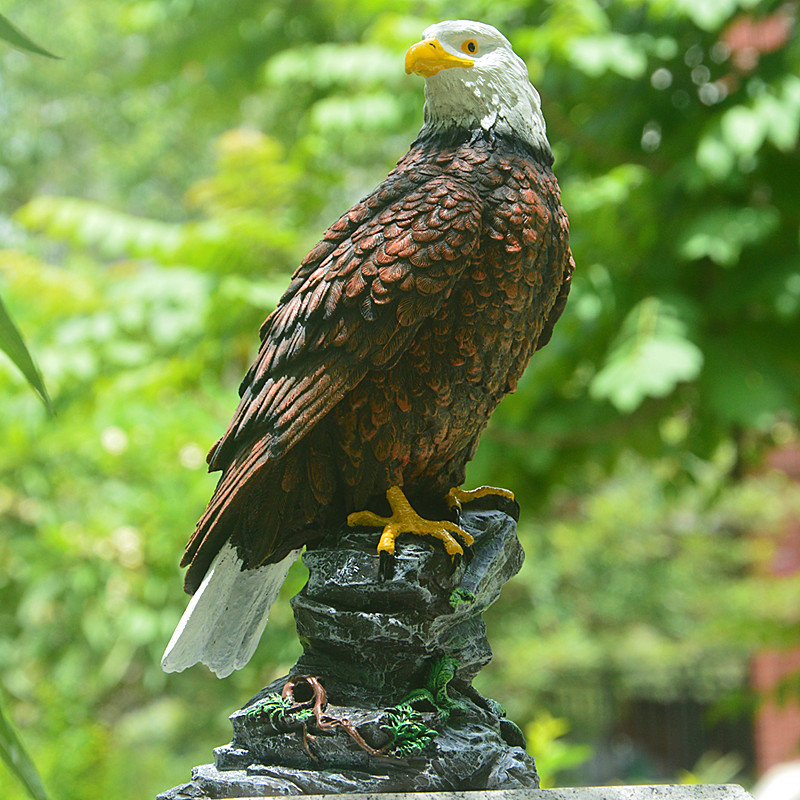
[411, 734]
[459, 596]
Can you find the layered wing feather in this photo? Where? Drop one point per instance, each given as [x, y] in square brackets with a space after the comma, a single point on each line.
[352, 306]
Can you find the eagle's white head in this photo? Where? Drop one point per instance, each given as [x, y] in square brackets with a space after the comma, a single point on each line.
[473, 79]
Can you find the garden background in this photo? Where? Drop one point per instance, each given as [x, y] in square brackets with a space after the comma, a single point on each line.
[158, 185]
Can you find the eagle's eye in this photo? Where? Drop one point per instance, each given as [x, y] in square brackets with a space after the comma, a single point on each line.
[470, 46]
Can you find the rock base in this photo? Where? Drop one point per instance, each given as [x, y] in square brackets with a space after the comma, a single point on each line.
[396, 655]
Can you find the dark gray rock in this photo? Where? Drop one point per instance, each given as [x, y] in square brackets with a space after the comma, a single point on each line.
[415, 640]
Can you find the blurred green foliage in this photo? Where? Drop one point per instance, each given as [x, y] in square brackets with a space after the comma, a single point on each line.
[11, 341]
[14, 347]
[12, 35]
[157, 187]
[554, 755]
[18, 762]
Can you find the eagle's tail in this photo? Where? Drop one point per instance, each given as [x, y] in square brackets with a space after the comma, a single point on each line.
[226, 616]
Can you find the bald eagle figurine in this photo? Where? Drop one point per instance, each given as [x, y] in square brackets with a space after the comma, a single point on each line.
[399, 334]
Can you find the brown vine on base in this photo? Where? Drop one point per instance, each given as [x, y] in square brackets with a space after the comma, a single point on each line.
[318, 702]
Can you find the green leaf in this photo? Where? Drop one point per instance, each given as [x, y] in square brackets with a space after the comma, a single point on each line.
[651, 356]
[12, 344]
[781, 113]
[715, 157]
[585, 196]
[18, 761]
[595, 55]
[709, 14]
[230, 240]
[374, 112]
[330, 65]
[16, 38]
[744, 129]
[544, 736]
[722, 233]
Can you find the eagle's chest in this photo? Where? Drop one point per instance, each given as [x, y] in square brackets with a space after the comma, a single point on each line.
[486, 330]
[423, 413]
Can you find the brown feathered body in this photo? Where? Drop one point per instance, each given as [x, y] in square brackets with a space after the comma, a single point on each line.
[398, 336]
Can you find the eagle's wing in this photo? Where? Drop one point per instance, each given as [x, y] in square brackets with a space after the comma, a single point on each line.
[352, 306]
[558, 307]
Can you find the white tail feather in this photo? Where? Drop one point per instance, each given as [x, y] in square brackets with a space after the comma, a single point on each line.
[224, 620]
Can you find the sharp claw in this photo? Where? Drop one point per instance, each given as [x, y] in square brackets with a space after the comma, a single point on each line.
[456, 563]
[385, 566]
[469, 553]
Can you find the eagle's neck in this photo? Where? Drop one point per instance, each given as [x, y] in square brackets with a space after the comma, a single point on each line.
[453, 137]
[496, 103]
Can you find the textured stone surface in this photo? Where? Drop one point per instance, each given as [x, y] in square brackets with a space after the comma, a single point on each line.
[667, 792]
[372, 640]
[348, 619]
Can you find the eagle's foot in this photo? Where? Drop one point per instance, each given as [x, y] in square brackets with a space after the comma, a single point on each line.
[385, 566]
[455, 497]
[405, 520]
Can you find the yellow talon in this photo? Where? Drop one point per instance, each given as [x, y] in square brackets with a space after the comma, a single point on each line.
[455, 497]
[405, 520]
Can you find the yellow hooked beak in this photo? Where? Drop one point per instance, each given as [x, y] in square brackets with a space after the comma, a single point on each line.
[429, 57]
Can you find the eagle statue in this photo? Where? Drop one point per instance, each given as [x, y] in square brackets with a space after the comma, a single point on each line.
[397, 337]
